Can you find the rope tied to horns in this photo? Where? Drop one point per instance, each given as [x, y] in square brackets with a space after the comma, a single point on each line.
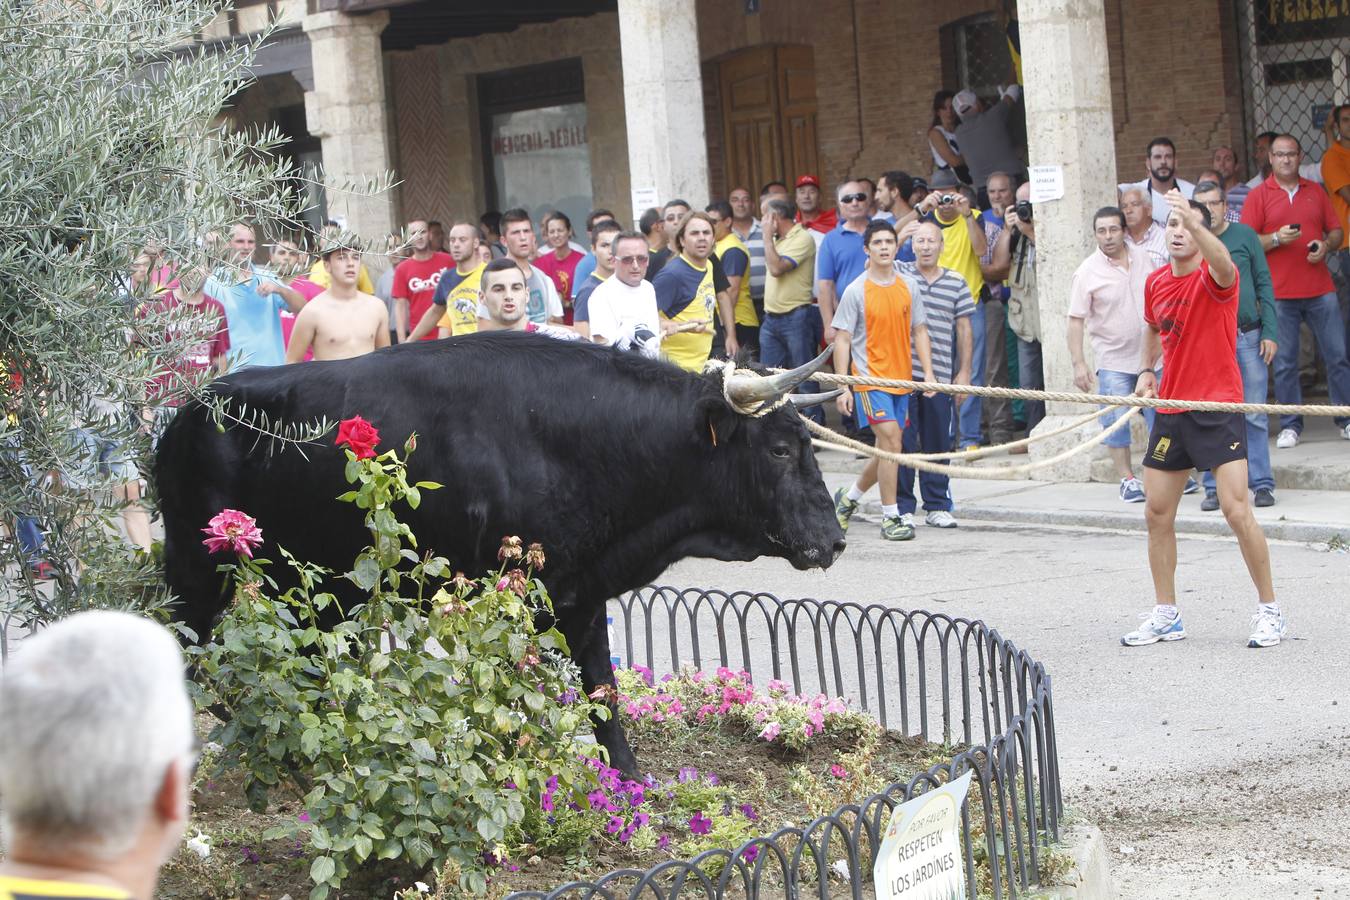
[754, 408]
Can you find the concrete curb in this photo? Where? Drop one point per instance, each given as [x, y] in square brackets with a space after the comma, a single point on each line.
[1212, 524]
[1091, 876]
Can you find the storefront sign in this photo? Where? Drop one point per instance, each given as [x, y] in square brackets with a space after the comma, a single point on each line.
[1280, 21]
[920, 855]
[541, 161]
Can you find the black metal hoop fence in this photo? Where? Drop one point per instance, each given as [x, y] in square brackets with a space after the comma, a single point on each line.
[928, 675]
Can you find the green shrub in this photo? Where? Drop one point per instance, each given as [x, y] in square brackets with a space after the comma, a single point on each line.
[420, 727]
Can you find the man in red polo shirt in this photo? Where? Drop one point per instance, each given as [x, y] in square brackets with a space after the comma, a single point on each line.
[1298, 228]
[809, 213]
[1190, 307]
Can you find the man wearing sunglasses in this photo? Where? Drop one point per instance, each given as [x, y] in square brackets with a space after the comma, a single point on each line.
[622, 310]
[96, 758]
[841, 257]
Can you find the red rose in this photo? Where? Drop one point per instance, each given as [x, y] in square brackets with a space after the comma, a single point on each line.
[360, 435]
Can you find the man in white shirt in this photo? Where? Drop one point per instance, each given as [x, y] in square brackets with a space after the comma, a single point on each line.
[1140, 229]
[623, 310]
[1161, 162]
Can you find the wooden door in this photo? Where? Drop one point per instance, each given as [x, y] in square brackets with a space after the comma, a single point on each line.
[768, 97]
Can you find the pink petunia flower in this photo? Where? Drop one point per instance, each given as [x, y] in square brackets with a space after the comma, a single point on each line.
[838, 771]
[700, 824]
[233, 530]
[771, 731]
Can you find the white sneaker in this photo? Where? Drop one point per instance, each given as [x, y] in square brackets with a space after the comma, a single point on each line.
[1289, 438]
[1345, 432]
[940, 518]
[1268, 628]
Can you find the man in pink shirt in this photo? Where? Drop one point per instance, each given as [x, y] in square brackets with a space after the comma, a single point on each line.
[1106, 298]
[1298, 229]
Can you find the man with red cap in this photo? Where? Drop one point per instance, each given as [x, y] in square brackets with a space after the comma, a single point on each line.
[809, 213]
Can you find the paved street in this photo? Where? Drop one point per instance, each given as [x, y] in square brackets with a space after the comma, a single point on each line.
[1214, 770]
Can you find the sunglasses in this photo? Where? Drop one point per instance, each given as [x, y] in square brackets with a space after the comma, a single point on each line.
[634, 260]
[853, 198]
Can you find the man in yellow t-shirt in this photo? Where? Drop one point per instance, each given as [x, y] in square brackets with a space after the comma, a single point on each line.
[454, 308]
[735, 259]
[791, 333]
[96, 753]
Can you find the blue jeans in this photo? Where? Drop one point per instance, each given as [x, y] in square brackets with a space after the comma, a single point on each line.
[30, 538]
[1254, 387]
[1119, 384]
[1323, 315]
[791, 339]
[968, 419]
[1031, 376]
[929, 431]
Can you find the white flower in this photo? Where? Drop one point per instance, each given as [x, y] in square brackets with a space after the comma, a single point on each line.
[840, 868]
[200, 844]
[421, 887]
[212, 747]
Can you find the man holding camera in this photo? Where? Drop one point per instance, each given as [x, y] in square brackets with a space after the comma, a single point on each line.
[1298, 229]
[963, 243]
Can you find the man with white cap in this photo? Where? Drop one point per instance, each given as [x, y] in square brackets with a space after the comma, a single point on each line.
[986, 142]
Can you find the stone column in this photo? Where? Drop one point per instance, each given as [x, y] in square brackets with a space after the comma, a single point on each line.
[663, 99]
[1068, 97]
[347, 110]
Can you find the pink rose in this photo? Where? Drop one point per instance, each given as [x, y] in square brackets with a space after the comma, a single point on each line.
[233, 530]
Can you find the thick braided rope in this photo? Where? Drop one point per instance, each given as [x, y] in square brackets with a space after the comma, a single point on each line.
[1100, 399]
[756, 409]
[996, 473]
[991, 449]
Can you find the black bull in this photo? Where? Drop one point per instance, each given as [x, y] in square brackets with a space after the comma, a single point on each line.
[619, 466]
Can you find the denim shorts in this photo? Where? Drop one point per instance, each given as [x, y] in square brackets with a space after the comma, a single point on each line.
[1118, 384]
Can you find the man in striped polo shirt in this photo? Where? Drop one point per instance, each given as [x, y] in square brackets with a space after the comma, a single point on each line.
[746, 227]
[948, 307]
[879, 318]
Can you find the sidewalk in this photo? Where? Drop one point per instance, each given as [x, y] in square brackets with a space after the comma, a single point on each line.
[1298, 515]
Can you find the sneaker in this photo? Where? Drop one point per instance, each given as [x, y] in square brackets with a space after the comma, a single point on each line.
[1131, 490]
[1211, 501]
[1155, 628]
[1289, 438]
[844, 508]
[1345, 432]
[1191, 486]
[898, 528]
[1267, 628]
[1264, 497]
[940, 518]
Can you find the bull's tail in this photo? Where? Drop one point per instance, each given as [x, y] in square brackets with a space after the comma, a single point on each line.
[194, 475]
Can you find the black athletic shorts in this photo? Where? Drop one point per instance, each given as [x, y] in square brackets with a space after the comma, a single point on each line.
[1195, 440]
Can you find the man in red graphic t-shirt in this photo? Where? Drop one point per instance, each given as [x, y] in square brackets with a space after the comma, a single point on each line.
[415, 281]
[1190, 307]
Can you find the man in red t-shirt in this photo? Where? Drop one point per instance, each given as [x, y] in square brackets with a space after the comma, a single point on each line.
[1298, 228]
[1190, 307]
[195, 321]
[415, 281]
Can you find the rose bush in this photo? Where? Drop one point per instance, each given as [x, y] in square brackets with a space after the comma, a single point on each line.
[421, 727]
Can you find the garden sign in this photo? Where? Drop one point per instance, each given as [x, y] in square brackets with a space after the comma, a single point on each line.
[920, 856]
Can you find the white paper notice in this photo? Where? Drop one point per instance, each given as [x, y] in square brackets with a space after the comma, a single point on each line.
[644, 198]
[920, 856]
[1047, 183]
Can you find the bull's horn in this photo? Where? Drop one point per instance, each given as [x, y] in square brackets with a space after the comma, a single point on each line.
[813, 399]
[744, 390]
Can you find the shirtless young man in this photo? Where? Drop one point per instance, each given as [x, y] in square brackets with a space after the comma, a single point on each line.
[341, 322]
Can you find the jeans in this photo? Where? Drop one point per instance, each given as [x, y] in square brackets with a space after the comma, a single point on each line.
[1339, 263]
[968, 419]
[1323, 316]
[998, 414]
[1031, 376]
[1119, 384]
[30, 538]
[791, 339]
[1254, 387]
[929, 431]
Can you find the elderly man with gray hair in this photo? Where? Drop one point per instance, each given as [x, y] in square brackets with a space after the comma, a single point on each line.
[96, 750]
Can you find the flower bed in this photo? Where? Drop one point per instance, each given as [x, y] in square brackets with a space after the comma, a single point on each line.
[724, 763]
